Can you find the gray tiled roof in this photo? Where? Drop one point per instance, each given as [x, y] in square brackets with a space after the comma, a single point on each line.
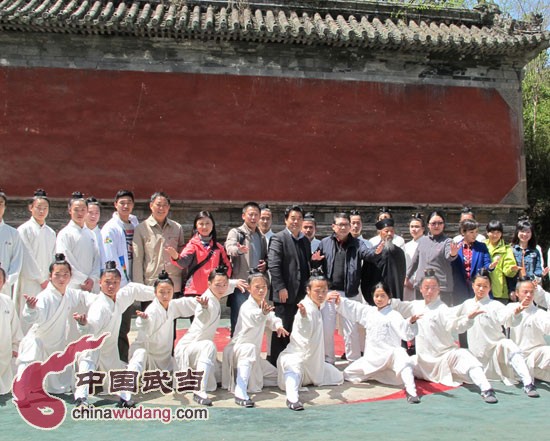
[332, 23]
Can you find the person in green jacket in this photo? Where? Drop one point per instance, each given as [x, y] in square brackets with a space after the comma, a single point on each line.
[502, 254]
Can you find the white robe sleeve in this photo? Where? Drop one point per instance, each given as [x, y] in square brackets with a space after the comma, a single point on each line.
[273, 322]
[403, 328]
[542, 321]
[405, 308]
[136, 291]
[353, 311]
[542, 297]
[454, 322]
[503, 315]
[98, 319]
[182, 307]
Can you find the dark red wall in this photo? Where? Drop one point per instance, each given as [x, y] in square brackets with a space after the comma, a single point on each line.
[222, 137]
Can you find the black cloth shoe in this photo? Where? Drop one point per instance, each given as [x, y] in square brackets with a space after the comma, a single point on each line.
[412, 399]
[489, 396]
[126, 404]
[294, 406]
[81, 402]
[244, 403]
[202, 401]
[531, 391]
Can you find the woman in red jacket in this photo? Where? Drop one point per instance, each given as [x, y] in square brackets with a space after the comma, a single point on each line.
[201, 255]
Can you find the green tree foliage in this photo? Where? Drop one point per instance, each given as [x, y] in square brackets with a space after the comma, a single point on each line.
[536, 120]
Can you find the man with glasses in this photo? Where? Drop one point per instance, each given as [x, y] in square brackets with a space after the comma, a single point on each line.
[341, 256]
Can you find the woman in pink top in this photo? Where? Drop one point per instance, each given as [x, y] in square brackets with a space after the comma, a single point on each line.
[201, 255]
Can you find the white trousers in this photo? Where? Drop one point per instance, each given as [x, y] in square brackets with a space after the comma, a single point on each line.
[352, 339]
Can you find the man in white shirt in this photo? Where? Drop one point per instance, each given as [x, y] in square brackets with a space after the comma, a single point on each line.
[118, 234]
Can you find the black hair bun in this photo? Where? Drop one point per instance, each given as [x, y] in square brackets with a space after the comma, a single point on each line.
[221, 270]
[59, 257]
[317, 272]
[77, 195]
[429, 272]
[253, 271]
[110, 265]
[163, 275]
[483, 272]
[40, 193]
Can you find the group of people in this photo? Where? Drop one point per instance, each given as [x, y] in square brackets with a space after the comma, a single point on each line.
[384, 292]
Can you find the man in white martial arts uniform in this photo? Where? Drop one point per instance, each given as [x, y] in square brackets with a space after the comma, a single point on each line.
[48, 315]
[79, 246]
[196, 349]
[11, 336]
[384, 360]
[11, 250]
[92, 220]
[530, 332]
[118, 236]
[438, 358]
[152, 348]
[501, 357]
[303, 360]
[104, 315]
[243, 353]
[38, 251]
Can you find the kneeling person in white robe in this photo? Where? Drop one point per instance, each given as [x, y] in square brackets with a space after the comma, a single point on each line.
[196, 349]
[303, 360]
[438, 357]
[244, 350]
[530, 333]
[152, 348]
[384, 360]
[502, 359]
[48, 316]
[105, 315]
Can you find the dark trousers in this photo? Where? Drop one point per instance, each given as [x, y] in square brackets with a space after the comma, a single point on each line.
[125, 325]
[235, 301]
[286, 312]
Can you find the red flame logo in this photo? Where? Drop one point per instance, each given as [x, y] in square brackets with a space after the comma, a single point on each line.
[35, 405]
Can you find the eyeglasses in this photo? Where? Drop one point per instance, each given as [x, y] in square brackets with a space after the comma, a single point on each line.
[343, 225]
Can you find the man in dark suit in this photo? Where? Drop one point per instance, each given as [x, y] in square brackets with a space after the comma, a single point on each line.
[289, 256]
